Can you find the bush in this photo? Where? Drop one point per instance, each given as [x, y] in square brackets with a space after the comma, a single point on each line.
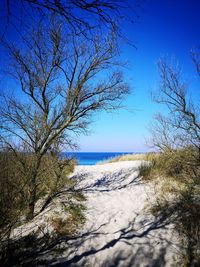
[13, 190]
[15, 175]
[69, 225]
[177, 172]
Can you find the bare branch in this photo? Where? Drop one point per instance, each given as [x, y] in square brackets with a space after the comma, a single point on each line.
[181, 128]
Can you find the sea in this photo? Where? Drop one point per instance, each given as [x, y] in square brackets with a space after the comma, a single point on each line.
[91, 158]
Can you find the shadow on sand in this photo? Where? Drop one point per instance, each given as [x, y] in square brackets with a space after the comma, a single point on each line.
[132, 245]
[47, 251]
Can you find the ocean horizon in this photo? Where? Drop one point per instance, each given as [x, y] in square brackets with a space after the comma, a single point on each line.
[91, 158]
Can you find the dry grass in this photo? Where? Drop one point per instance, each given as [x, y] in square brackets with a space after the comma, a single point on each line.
[125, 157]
[174, 176]
[71, 224]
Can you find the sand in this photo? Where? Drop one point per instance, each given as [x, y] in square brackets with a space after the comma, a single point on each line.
[119, 229]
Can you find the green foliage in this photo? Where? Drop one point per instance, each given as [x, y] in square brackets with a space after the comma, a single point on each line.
[179, 164]
[15, 181]
[13, 193]
[75, 218]
[76, 211]
[147, 167]
[53, 175]
[79, 196]
[145, 170]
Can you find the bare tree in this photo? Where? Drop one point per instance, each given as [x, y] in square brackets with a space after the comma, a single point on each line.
[80, 16]
[181, 126]
[62, 82]
[176, 132]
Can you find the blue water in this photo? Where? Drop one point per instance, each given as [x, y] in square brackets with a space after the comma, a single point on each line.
[91, 158]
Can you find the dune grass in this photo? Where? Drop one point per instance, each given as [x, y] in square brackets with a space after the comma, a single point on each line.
[174, 175]
[125, 157]
[131, 157]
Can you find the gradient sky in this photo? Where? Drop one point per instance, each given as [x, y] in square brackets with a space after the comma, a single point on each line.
[165, 28]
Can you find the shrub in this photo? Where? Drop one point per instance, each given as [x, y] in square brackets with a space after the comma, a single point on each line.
[69, 225]
[145, 170]
[177, 174]
[15, 175]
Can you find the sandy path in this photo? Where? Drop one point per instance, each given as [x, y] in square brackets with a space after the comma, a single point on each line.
[119, 231]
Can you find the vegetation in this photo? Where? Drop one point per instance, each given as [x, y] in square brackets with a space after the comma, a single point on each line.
[55, 68]
[177, 187]
[124, 157]
[65, 70]
[15, 188]
[59, 95]
[69, 226]
[176, 168]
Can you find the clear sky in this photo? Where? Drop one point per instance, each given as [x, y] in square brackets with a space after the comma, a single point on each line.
[168, 28]
[165, 28]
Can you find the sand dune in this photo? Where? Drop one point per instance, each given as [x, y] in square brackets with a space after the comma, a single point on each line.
[119, 230]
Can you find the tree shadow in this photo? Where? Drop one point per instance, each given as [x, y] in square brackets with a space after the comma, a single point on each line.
[144, 252]
[135, 244]
[106, 181]
[47, 251]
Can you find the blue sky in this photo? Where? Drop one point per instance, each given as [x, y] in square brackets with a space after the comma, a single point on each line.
[164, 28]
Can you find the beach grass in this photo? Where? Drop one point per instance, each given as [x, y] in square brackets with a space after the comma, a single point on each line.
[130, 157]
[125, 157]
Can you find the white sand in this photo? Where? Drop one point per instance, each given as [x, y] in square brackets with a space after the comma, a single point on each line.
[119, 231]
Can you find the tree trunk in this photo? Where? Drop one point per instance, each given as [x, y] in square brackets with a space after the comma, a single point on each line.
[31, 205]
[33, 189]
